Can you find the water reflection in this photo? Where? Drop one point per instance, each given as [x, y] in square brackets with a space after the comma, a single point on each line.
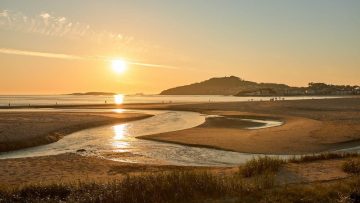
[120, 142]
[119, 99]
[119, 131]
[119, 110]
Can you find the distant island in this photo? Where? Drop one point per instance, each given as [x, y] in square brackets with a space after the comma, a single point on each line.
[238, 87]
[93, 93]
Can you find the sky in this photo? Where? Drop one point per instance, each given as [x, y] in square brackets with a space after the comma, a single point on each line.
[53, 46]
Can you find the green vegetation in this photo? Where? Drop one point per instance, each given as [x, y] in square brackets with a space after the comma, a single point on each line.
[261, 165]
[352, 166]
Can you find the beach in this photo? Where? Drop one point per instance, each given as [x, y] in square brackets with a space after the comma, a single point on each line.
[310, 126]
[28, 129]
[71, 168]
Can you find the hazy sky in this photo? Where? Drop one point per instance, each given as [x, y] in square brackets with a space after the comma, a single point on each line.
[53, 46]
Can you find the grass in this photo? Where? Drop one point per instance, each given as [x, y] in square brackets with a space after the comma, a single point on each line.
[338, 191]
[261, 165]
[165, 187]
[352, 166]
[256, 184]
[322, 156]
[186, 187]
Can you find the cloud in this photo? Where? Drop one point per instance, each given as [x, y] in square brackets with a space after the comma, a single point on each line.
[38, 54]
[103, 41]
[152, 65]
[4, 13]
[59, 26]
[75, 57]
[61, 19]
[45, 15]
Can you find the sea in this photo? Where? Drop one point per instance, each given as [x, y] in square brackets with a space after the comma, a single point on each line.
[39, 100]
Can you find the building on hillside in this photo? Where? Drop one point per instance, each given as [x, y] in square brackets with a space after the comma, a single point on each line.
[258, 92]
[357, 90]
[294, 91]
[343, 92]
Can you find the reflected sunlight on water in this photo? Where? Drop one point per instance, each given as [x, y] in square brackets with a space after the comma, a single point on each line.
[119, 131]
[119, 139]
[119, 110]
[119, 99]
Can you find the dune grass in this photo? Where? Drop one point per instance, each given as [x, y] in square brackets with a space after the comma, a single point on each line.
[255, 184]
[322, 156]
[186, 187]
[261, 165]
[182, 186]
[352, 166]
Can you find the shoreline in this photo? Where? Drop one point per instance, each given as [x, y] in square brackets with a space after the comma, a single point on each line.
[72, 166]
[153, 105]
[310, 126]
[51, 126]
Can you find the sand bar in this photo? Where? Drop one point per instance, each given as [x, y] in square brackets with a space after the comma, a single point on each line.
[310, 126]
[27, 129]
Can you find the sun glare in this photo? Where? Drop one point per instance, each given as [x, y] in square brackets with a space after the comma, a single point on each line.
[119, 99]
[118, 65]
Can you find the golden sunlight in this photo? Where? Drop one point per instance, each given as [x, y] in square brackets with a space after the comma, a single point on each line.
[119, 99]
[119, 131]
[119, 65]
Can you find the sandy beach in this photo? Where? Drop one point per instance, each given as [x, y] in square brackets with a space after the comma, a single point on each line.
[27, 129]
[70, 168]
[327, 125]
[309, 126]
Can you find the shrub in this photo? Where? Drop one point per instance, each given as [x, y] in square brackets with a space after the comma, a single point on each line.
[352, 166]
[261, 165]
[323, 156]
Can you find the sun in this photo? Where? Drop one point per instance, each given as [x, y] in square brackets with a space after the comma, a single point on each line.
[119, 65]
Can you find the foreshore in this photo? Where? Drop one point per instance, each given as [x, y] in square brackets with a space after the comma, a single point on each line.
[310, 126]
[28, 129]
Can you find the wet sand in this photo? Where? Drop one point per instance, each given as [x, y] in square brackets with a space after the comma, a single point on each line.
[310, 126]
[27, 129]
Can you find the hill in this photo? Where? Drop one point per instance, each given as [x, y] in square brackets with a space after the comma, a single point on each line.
[222, 86]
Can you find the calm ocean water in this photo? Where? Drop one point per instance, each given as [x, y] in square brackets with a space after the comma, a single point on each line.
[24, 100]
